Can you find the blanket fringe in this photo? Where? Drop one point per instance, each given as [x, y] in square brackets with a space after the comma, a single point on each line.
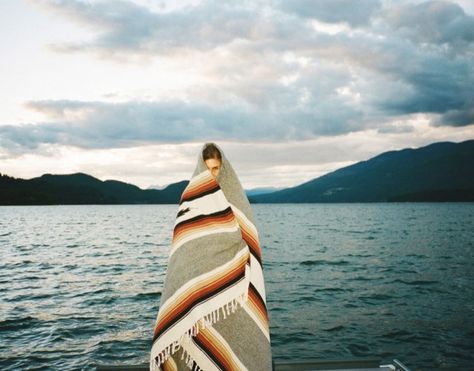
[205, 321]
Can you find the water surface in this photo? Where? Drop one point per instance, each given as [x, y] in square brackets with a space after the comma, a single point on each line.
[81, 285]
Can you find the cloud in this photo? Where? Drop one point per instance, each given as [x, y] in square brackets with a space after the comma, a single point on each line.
[123, 26]
[355, 13]
[391, 128]
[117, 125]
[433, 22]
[419, 81]
[457, 117]
[267, 72]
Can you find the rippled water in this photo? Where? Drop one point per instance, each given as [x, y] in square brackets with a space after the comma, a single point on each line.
[80, 285]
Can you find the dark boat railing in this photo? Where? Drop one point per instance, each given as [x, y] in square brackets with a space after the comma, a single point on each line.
[366, 364]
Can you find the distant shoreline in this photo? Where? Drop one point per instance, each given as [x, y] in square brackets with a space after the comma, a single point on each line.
[439, 172]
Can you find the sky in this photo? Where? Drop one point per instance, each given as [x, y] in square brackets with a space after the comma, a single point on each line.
[289, 89]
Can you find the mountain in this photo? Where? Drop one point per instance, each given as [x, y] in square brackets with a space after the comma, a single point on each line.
[80, 188]
[156, 186]
[261, 191]
[442, 171]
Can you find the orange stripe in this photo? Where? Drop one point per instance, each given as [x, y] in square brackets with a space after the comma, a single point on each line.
[219, 352]
[225, 350]
[248, 235]
[259, 307]
[251, 241]
[201, 223]
[201, 292]
[186, 299]
[167, 366]
[197, 230]
[208, 183]
[203, 182]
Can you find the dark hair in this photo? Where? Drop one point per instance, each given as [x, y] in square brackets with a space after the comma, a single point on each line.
[211, 151]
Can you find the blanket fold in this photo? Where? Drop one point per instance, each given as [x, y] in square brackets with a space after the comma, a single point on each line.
[213, 313]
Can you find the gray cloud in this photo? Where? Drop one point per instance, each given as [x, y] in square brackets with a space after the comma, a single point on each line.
[279, 78]
[124, 26]
[434, 22]
[395, 76]
[457, 117]
[105, 125]
[354, 13]
[427, 82]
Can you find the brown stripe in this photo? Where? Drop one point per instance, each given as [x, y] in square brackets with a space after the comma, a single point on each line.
[199, 295]
[192, 192]
[252, 243]
[216, 353]
[259, 304]
[200, 221]
[184, 305]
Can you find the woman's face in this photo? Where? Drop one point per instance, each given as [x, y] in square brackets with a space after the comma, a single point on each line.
[214, 165]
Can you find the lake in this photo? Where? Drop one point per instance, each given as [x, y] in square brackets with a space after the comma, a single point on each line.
[81, 284]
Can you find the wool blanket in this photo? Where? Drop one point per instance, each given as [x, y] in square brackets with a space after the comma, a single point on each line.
[213, 314]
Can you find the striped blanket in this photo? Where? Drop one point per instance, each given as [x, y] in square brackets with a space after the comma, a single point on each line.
[213, 314]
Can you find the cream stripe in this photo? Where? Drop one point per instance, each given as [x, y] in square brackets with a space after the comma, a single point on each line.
[203, 205]
[201, 358]
[196, 280]
[257, 320]
[245, 220]
[227, 347]
[217, 302]
[256, 277]
[256, 273]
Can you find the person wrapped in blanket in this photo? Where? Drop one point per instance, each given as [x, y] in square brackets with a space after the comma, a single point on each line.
[213, 313]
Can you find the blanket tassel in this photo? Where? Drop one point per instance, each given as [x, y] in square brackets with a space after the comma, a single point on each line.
[204, 322]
